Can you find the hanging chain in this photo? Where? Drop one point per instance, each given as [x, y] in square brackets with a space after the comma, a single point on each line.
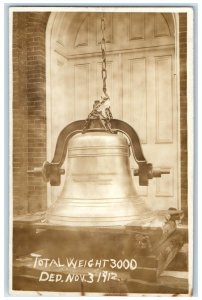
[104, 63]
[101, 109]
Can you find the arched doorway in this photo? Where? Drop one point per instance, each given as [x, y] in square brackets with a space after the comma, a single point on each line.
[142, 84]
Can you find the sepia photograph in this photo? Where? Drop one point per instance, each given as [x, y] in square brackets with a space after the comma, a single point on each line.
[101, 110]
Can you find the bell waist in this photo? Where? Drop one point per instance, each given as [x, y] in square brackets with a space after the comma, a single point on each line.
[98, 151]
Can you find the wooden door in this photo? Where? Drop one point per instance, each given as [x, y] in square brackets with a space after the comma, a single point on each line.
[151, 108]
[141, 84]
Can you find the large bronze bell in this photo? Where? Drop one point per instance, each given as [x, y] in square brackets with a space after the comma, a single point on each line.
[98, 189]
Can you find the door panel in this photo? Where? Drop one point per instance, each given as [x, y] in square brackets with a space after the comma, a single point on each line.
[81, 90]
[164, 99]
[135, 107]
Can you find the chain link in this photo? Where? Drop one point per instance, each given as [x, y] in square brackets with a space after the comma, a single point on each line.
[104, 63]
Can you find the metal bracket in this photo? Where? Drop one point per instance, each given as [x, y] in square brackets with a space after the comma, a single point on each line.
[52, 171]
[146, 170]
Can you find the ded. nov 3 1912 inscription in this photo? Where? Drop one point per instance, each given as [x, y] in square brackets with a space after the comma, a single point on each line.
[73, 269]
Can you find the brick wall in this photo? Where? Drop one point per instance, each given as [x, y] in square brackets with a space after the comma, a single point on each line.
[20, 111]
[29, 111]
[183, 108]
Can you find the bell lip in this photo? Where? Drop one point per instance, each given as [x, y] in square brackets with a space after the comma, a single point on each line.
[102, 221]
[97, 222]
